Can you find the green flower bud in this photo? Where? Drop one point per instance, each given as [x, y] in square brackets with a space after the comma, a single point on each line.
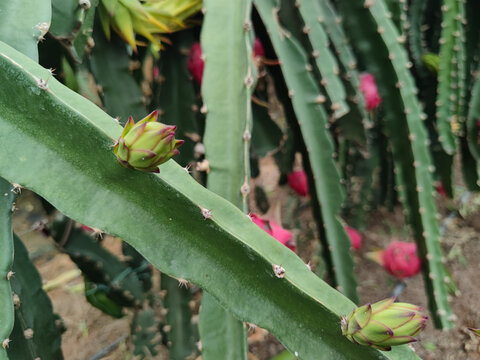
[384, 324]
[431, 61]
[476, 332]
[145, 145]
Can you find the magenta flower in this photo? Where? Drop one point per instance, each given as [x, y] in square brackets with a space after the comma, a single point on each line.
[87, 229]
[400, 259]
[195, 63]
[258, 49]
[369, 89]
[441, 190]
[355, 237]
[298, 182]
[273, 229]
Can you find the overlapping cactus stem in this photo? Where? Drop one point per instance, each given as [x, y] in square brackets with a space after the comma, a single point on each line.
[451, 75]
[332, 23]
[7, 207]
[149, 18]
[250, 80]
[308, 104]
[313, 16]
[409, 144]
[227, 104]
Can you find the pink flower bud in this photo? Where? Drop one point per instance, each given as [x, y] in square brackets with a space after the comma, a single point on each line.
[156, 72]
[87, 229]
[273, 229]
[355, 237]
[298, 182]
[400, 259]
[258, 49]
[370, 91]
[441, 190]
[195, 63]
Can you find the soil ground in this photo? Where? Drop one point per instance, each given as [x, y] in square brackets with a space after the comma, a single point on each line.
[89, 330]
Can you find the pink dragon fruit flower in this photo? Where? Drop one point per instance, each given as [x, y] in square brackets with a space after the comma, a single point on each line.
[87, 229]
[440, 189]
[297, 180]
[273, 229]
[355, 237]
[258, 49]
[195, 63]
[369, 89]
[400, 259]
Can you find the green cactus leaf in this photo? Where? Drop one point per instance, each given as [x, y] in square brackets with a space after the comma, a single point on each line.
[161, 215]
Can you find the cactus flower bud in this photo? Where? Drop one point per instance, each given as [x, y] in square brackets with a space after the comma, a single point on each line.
[355, 237]
[400, 259]
[145, 145]
[369, 89]
[297, 180]
[195, 63]
[384, 324]
[476, 332]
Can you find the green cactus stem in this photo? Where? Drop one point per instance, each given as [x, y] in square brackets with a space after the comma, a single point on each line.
[180, 336]
[169, 218]
[306, 100]
[24, 23]
[72, 25]
[227, 140]
[36, 333]
[408, 137]
[7, 204]
[451, 75]
[109, 63]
